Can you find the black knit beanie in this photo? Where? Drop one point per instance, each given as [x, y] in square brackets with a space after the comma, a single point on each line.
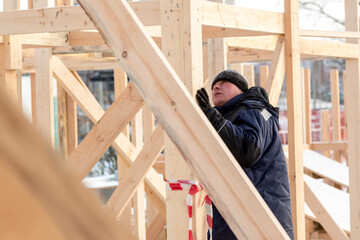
[231, 76]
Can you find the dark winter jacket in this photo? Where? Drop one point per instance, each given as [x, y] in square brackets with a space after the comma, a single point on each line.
[249, 126]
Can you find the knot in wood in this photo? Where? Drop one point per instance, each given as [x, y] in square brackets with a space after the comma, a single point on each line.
[124, 54]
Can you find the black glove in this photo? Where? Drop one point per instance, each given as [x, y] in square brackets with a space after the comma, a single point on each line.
[203, 100]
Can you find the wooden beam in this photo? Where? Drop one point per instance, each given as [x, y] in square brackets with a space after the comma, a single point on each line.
[172, 104]
[264, 72]
[307, 95]
[11, 59]
[155, 228]
[308, 47]
[294, 110]
[353, 98]
[105, 131]
[217, 59]
[34, 180]
[72, 122]
[249, 74]
[62, 121]
[335, 103]
[81, 94]
[182, 45]
[276, 75]
[120, 83]
[136, 173]
[44, 40]
[44, 93]
[321, 146]
[330, 34]
[323, 216]
[65, 19]
[328, 49]
[226, 16]
[74, 63]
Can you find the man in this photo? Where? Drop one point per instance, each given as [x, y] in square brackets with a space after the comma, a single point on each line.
[248, 124]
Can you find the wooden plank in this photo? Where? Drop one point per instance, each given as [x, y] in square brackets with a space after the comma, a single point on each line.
[13, 52]
[139, 194]
[65, 19]
[322, 215]
[217, 60]
[345, 90]
[326, 167]
[44, 40]
[182, 45]
[328, 49]
[139, 212]
[249, 75]
[230, 16]
[10, 59]
[264, 72]
[307, 86]
[308, 47]
[267, 43]
[353, 119]
[75, 63]
[321, 146]
[335, 103]
[8, 78]
[72, 122]
[172, 104]
[62, 121]
[155, 228]
[44, 94]
[120, 83]
[81, 94]
[83, 38]
[33, 98]
[94, 145]
[276, 75]
[294, 114]
[330, 34]
[335, 201]
[136, 173]
[34, 180]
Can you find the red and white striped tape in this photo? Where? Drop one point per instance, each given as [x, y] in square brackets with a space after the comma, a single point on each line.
[193, 187]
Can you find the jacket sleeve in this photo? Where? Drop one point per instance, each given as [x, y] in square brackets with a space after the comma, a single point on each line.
[245, 137]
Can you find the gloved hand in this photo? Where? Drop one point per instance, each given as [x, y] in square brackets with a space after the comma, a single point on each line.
[203, 100]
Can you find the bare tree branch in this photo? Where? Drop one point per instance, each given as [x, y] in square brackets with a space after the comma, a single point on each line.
[318, 8]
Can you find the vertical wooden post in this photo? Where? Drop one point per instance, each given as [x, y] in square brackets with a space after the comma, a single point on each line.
[345, 87]
[335, 102]
[325, 129]
[217, 57]
[139, 197]
[239, 67]
[120, 83]
[33, 98]
[264, 72]
[353, 97]
[72, 124]
[62, 121]
[182, 45]
[44, 87]
[44, 93]
[10, 58]
[307, 82]
[249, 75]
[295, 135]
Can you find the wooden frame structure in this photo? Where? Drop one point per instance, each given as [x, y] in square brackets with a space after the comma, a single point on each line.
[56, 42]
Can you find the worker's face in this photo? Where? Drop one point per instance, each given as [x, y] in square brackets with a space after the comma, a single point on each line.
[223, 91]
